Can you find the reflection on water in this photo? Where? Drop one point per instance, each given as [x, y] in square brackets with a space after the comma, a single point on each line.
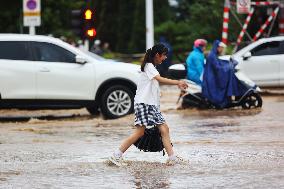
[43, 117]
[226, 149]
[148, 174]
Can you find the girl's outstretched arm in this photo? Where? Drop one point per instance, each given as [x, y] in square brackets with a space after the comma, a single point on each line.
[181, 84]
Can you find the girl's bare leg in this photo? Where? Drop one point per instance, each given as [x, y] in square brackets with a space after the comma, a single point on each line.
[139, 132]
[165, 133]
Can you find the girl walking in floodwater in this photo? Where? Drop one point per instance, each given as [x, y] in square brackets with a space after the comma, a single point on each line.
[147, 105]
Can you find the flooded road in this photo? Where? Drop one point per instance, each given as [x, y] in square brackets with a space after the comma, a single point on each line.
[226, 149]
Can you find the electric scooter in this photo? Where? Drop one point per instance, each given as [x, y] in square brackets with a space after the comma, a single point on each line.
[192, 96]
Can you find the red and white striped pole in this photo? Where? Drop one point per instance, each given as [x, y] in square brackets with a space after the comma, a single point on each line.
[264, 3]
[267, 22]
[225, 21]
[261, 3]
[281, 19]
[240, 38]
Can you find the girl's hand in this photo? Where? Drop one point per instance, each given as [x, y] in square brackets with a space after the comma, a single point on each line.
[182, 85]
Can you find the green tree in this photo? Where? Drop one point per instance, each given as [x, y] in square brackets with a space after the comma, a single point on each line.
[11, 16]
[122, 22]
[55, 17]
[107, 23]
[194, 19]
[125, 25]
[137, 41]
[162, 13]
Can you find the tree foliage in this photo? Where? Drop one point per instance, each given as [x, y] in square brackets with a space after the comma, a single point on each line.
[10, 16]
[194, 19]
[55, 17]
[121, 23]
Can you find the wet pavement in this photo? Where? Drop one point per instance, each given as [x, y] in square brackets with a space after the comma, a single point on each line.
[68, 149]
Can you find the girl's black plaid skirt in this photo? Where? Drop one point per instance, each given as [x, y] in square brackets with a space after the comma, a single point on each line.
[147, 115]
[150, 117]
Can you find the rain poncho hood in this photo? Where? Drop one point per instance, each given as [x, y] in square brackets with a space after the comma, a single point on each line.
[219, 81]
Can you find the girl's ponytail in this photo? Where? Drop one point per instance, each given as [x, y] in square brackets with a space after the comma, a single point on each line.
[147, 58]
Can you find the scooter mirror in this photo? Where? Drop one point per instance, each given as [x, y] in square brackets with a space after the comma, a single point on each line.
[247, 55]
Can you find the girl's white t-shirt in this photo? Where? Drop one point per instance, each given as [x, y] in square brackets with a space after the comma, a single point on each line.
[148, 88]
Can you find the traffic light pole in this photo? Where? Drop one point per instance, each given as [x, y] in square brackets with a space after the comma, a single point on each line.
[87, 44]
[149, 24]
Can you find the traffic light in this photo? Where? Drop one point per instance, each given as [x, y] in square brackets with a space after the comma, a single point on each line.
[91, 32]
[89, 23]
[76, 22]
[83, 23]
[88, 14]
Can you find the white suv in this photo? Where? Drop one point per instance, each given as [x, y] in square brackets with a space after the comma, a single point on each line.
[39, 72]
[263, 61]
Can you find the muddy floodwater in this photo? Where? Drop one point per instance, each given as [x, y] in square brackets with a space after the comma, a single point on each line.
[68, 149]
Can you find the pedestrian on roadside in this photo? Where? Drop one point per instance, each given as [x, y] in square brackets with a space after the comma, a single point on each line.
[96, 48]
[147, 105]
[163, 68]
[195, 61]
[106, 48]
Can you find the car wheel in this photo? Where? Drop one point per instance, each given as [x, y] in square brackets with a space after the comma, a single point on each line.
[117, 101]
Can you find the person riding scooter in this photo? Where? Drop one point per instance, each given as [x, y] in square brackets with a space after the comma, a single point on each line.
[195, 61]
[219, 80]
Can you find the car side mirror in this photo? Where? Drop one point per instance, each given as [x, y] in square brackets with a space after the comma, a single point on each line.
[80, 59]
[247, 55]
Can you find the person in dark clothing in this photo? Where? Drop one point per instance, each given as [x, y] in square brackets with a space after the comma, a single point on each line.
[163, 68]
[219, 80]
[96, 48]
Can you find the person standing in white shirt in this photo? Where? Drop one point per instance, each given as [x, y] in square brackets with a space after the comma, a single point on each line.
[147, 105]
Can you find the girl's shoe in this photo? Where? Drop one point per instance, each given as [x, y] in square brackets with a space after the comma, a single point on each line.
[118, 161]
[177, 160]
